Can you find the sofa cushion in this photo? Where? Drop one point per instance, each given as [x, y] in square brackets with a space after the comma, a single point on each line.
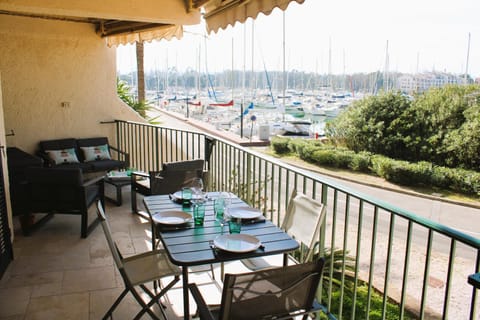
[106, 165]
[84, 166]
[62, 156]
[96, 153]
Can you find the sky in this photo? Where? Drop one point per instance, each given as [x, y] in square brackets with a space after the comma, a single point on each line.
[331, 36]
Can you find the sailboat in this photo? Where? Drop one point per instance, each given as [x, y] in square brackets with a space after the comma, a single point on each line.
[220, 104]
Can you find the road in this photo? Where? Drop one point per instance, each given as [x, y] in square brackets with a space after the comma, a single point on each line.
[453, 215]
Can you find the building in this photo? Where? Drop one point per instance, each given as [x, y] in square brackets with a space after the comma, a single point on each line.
[421, 82]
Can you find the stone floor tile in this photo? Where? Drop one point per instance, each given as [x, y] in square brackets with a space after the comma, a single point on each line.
[47, 289]
[81, 280]
[102, 300]
[14, 301]
[68, 306]
[36, 264]
[31, 279]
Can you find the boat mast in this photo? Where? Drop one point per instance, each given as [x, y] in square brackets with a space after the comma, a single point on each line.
[284, 73]
[385, 74]
[243, 77]
[330, 78]
[468, 56]
[254, 82]
[233, 74]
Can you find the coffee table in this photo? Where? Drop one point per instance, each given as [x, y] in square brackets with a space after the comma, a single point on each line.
[118, 179]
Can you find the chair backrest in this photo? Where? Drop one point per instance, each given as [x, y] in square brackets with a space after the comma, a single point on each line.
[303, 220]
[185, 165]
[55, 188]
[175, 175]
[108, 235]
[270, 293]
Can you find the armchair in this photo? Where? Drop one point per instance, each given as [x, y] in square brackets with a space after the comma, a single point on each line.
[171, 178]
[63, 190]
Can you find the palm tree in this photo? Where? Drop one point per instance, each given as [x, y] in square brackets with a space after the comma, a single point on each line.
[140, 71]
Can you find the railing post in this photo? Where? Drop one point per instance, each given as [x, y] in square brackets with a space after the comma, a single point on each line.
[474, 280]
[249, 178]
[209, 144]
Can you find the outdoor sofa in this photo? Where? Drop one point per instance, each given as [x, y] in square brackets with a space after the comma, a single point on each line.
[88, 154]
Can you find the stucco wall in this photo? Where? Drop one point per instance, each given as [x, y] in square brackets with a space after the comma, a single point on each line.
[4, 161]
[46, 62]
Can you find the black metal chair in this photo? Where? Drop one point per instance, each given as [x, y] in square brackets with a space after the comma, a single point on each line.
[63, 191]
[139, 269]
[171, 178]
[276, 293]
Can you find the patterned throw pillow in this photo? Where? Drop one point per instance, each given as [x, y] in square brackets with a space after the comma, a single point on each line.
[96, 153]
[63, 156]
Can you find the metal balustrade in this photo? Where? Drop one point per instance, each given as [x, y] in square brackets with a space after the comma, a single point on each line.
[421, 265]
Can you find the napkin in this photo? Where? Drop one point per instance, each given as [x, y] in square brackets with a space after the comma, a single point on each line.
[253, 221]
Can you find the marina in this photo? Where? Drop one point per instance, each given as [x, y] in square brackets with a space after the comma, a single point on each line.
[303, 115]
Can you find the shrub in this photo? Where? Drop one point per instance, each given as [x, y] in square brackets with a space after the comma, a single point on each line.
[361, 162]
[280, 145]
[297, 145]
[440, 177]
[466, 181]
[307, 152]
[381, 165]
[323, 157]
[395, 171]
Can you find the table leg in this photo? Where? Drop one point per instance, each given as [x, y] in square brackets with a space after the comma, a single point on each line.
[119, 195]
[186, 302]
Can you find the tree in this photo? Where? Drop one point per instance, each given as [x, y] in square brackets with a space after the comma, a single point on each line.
[373, 124]
[123, 92]
[140, 71]
[441, 126]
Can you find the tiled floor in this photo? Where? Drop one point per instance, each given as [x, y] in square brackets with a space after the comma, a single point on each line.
[58, 275]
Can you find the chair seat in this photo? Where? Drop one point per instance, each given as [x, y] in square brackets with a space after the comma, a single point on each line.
[143, 186]
[273, 261]
[149, 266]
[255, 264]
[92, 194]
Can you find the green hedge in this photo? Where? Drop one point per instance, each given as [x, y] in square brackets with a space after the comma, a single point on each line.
[397, 171]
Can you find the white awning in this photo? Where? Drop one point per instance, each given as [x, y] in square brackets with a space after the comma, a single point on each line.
[219, 14]
[166, 32]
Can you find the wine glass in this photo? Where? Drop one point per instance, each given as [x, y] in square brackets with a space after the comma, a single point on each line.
[221, 206]
[197, 189]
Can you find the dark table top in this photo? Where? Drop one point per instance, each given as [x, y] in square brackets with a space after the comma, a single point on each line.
[190, 245]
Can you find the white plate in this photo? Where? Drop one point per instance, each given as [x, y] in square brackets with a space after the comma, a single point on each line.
[172, 217]
[244, 213]
[237, 242]
[178, 195]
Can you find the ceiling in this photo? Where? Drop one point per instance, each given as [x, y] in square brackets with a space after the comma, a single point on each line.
[124, 21]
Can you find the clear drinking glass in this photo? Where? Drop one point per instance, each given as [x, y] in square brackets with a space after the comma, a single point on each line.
[197, 189]
[235, 225]
[220, 206]
[199, 213]
[186, 199]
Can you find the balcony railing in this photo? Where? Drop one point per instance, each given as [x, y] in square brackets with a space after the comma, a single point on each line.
[421, 265]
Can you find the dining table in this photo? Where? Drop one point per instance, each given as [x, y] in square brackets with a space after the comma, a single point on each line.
[188, 245]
